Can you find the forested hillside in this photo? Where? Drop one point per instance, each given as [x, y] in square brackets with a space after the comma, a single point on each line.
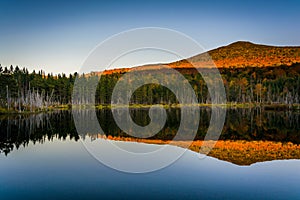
[266, 85]
[21, 90]
[246, 54]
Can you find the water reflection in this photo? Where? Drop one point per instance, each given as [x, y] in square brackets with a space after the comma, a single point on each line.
[19, 130]
[240, 124]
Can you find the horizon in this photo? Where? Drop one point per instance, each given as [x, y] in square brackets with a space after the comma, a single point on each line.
[57, 36]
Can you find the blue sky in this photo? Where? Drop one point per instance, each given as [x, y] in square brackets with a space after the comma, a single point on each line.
[58, 35]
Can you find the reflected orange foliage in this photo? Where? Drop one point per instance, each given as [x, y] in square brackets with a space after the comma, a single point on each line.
[239, 152]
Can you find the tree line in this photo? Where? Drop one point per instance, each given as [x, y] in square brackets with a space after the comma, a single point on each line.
[21, 90]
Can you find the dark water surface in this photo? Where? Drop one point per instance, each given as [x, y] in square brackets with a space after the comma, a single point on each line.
[42, 157]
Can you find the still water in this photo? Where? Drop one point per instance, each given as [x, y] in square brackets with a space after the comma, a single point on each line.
[42, 156]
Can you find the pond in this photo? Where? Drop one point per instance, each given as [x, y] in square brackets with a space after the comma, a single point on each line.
[42, 156]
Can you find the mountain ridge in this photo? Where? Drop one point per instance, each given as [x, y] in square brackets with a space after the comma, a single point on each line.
[238, 54]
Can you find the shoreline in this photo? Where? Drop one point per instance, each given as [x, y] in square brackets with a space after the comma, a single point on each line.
[264, 106]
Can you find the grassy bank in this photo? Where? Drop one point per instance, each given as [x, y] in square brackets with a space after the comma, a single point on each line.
[275, 107]
[228, 105]
[34, 110]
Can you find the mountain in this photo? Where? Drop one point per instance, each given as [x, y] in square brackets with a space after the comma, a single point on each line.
[236, 55]
[247, 54]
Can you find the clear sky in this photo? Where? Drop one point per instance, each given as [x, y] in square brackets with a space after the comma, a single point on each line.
[56, 36]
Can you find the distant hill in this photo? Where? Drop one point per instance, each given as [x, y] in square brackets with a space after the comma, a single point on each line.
[247, 54]
[237, 55]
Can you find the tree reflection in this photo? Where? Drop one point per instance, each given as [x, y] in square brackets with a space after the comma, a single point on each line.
[240, 124]
[19, 130]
